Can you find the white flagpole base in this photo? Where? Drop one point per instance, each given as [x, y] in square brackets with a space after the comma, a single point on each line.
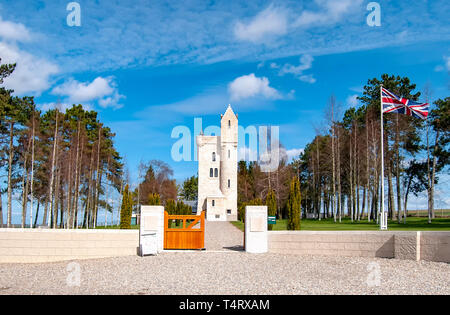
[383, 221]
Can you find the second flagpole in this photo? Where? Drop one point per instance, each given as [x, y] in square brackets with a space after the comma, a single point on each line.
[383, 215]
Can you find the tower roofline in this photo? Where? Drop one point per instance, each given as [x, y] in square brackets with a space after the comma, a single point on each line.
[228, 112]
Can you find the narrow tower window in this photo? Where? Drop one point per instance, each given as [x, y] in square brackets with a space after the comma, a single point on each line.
[216, 172]
[210, 172]
[213, 203]
[229, 183]
[214, 156]
[229, 123]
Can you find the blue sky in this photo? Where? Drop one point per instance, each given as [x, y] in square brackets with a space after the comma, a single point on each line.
[149, 66]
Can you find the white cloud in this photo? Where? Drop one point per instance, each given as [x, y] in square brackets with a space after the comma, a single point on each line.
[13, 31]
[352, 100]
[306, 62]
[273, 65]
[270, 22]
[294, 153]
[103, 90]
[248, 86]
[331, 11]
[308, 78]
[445, 66]
[32, 74]
[61, 106]
[199, 33]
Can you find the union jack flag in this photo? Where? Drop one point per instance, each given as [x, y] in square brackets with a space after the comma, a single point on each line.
[394, 104]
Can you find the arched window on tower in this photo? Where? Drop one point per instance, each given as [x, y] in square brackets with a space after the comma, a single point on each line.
[210, 172]
[229, 183]
[214, 156]
[216, 172]
[229, 124]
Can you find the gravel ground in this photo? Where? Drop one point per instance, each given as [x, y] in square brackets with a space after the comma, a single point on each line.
[224, 273]
[224, 269]
[223, 236]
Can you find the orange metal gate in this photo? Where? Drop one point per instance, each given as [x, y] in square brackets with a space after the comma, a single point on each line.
[190, 236]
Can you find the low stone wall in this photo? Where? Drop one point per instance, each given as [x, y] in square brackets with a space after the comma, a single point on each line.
[435, 246]
[360, 244]
[39, 245]
[430, 246]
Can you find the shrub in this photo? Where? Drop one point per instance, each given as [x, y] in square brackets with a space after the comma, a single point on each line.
[154, 199]
[294, 205]
[126, 209]
[271, 203]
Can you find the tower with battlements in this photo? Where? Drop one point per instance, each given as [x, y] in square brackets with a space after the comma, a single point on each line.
[217, 170]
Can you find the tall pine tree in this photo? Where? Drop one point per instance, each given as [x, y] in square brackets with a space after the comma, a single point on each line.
[294, 205]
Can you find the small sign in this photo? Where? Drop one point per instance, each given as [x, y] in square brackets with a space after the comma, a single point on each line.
[272, 220]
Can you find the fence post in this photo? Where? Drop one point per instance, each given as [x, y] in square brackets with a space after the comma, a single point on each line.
[152, 221]
[256, 240]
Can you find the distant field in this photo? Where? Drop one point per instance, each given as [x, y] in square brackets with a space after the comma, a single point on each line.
[412, 224]
[424, 213]
[115, 227]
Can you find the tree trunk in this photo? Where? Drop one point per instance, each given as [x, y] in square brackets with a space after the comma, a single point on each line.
[319, 186]
[97, 181]
[350, 196]
[367, 167]
[405, 204]
[44, 219]
[397, 174]
[334, 173]
[69, 196]
[433, 178]
[89, 193]
[391, 193]
[1, 210]
[10, 162]
[363, 206]
[338, 164]
[32, 173]
[25, 184]
[78, 178]
[37, 214]
[57, 195]
[25, 199]
[52, 176]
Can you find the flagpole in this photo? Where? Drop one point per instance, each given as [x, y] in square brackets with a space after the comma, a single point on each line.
[383, 217]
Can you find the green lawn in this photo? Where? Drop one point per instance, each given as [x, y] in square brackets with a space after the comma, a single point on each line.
[412, 224]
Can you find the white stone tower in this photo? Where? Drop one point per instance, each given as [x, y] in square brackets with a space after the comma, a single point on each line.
[217, 171]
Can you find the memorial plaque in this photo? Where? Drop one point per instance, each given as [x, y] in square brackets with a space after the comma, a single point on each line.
[257, 224]
[150, 223]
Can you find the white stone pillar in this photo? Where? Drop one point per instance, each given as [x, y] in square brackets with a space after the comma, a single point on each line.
[256, 229]
[151, 230]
